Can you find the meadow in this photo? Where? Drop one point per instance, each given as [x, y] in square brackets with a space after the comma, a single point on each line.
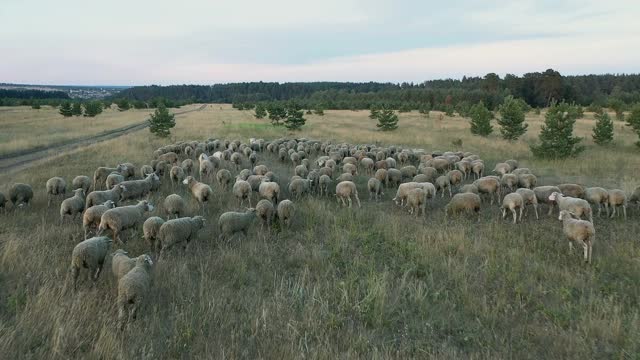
[370, 282]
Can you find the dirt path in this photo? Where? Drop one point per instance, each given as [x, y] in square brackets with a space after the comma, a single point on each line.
[23, 159]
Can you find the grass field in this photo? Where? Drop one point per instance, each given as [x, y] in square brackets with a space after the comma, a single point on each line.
[362, 283]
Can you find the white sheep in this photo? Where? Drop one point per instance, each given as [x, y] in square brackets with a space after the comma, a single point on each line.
[121, 263]
[89, 254]
[442, 183]
[81, 182]
[580, 231]
[91, 217]
[242, 191]
[178, 231]
[133, 288]
[323, 184]
[299, 187]
[598, 196]
[122, 218]
[417, 201]
[101, 173]
[543, 193]
[265, 212]
[489, 185]
[286, 210]
[101, 196]
[617, 198]
[231, 223]
[113, 179]
[176, 174]
[375, 189]
[150, 229]
[56, 186]
[174, 204]
[512, 201]
[20, 194]
[224, 177]
[463, 202]
[576, 206]
[345, 190]
[269, 190]
[529, 198]
[200, 191]
[137, 189]
[73, 205]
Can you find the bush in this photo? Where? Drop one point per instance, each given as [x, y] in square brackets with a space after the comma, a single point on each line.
[65, 109]
[92, 108]
[556, 137]
[76, 109]
[260, 111]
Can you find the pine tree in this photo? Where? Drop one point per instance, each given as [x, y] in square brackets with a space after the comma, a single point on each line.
[375, 113]
[35, 105]
[295, 119]
[556, 137]
[481, 120]
[92, 108]
[277, 112]
[511, 120]
[261, 112]
[603, 131]
[424, 109]
[319, 110]
[65, 109]
[633, 120]
[161, 122]
[387, 119]
[123, 104]
[76, 109]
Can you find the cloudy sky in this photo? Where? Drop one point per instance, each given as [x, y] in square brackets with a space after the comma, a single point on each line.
[136, 42]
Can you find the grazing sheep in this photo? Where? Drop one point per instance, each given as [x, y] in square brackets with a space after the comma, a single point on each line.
[81, 182]
[121, 264]
[122, 218]
[430, 172]
[326, 171]
[469, 188]
[244, 174]
[56, 186]
[174, 204]
[265, 212]
[617, 198]
[242, 191]
[231, 223]
[269, 191]
[20, 194]
[477, 168]
[73, 205]
[421, 178]
[350, 168]
[137, 189]
[170, 158]
[635, 196]
[489, 185]
[599, 196]
[346, 189]
[224, 177]
[367, 164]
[150, 229]
[543, 193]
[178, 231]
[132, 289]
[383, 176]
[442, 183]
[301, 171]
[521, 171]
[159, 168]
[101, 196]
[113, 179]
[187, 167]
[394, 176]
[176, 174]
[580, 231]
[323, 183]
[417, 201]
[501, 169]
[375, 188]
[299, 187]
[255, 181]
[528, 181]
[145, 170]
[529, 198]
[512, 202]
[463, 202]
[345, 177]
[464, 166]
[128, 171]
[207, 167]
[576, 206]
[236, 160]
[89, 254]
[572, 190]
[92, 215]
[101, 173]
[200, 191]
[455, 178]
[285, 211]
[513, 164]
[403, 192]
[509, 181]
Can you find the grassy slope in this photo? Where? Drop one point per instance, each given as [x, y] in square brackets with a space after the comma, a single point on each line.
[372, 282]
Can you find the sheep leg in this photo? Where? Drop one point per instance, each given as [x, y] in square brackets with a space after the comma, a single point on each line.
[349, 198]
[74, 277]
[590, 243]
[97, 274]
[613, 212]
[585, 251]
[122, 313]
[624, 210]
[570, 247]
[504, 213]
[450, 192]
[521, 208]
[358, 200]
[606, 207]
[535, 208]
[513, 212]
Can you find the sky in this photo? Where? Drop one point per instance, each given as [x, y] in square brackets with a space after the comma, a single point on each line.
[141, 42]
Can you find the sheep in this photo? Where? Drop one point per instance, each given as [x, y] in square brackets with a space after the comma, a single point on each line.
[299, 187]
[150, 229]
[269, 191]
[528, 181]
[170, 158]
[576, 206]
[244, 174]
[200, 191]
[265, 212]
[176, 174]
[521, 171]
[20, 194]
[136, 189]
[430, 172]
[375, 188]
[417, 200]
[255, 181]
[207, 167]
[466, 202]
[345, 177]
[178, 231]
[285, 212]
[231, 223]
[323, 183]
[159, 168]
[113, 179]
[509, 181]
[421, 178]
[73, 205]
[580, 231]
[477, 167]
[572, 190]
[128, 171]
[89, 254]
[326, 171]
[529, 198]
[489, 185]
[599, 196]
[242, 191]
[617, 198]
[81, 182]
[121, 264]
[236, 160]
[464, 166]
[350, 168]
[56, 186]
[501, 169]
[383, 176]
[346, 189]
[174, 204]
[455, 178]
[145, 170]
[187, 167]
[394, 176]
[512, 202]
[3, 201]
[367, 165]
[403, 192]
[223, 176]
[101, 173]
[132, 289]
[442, 183]
[122, 218]
[92, 215]
[543, 193]
[101, 196]
[513, 164]
[469, 188]
[301, 171]
[635, 196]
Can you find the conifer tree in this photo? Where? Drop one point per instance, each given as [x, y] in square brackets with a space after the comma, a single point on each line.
[603, 131]
[161, 122]
[76, 109]
[65, 109]
[387, 119]
[295, 117]
[556, 137]
[481, 120]
[260, 111]
[511, 120]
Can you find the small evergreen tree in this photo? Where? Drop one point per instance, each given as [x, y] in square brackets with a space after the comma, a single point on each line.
[123, 104]
[556, 137]
[481, 120]
[65, 109]
[511, 120]
[375, 113]
[603, 131]
[319, 110]
[295, 119]
[404, 108]
[424, 109]
[260, 111]
[92, 108]
[76, 109]
[106, 104]
[35, 105]
[387, 119]
[161, 122]
[277, 112]
[138, 104]
[448, 110]
[633, 120]
[618, 106]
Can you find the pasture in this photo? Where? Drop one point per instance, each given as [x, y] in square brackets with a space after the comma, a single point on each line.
[370, 282]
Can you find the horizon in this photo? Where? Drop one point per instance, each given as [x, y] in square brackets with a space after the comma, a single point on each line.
[203, 42]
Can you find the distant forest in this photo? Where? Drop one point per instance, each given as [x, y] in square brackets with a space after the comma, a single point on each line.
[13, 97]
[537, 89]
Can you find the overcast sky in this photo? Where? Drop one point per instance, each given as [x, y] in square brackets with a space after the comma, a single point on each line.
[137, 42]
